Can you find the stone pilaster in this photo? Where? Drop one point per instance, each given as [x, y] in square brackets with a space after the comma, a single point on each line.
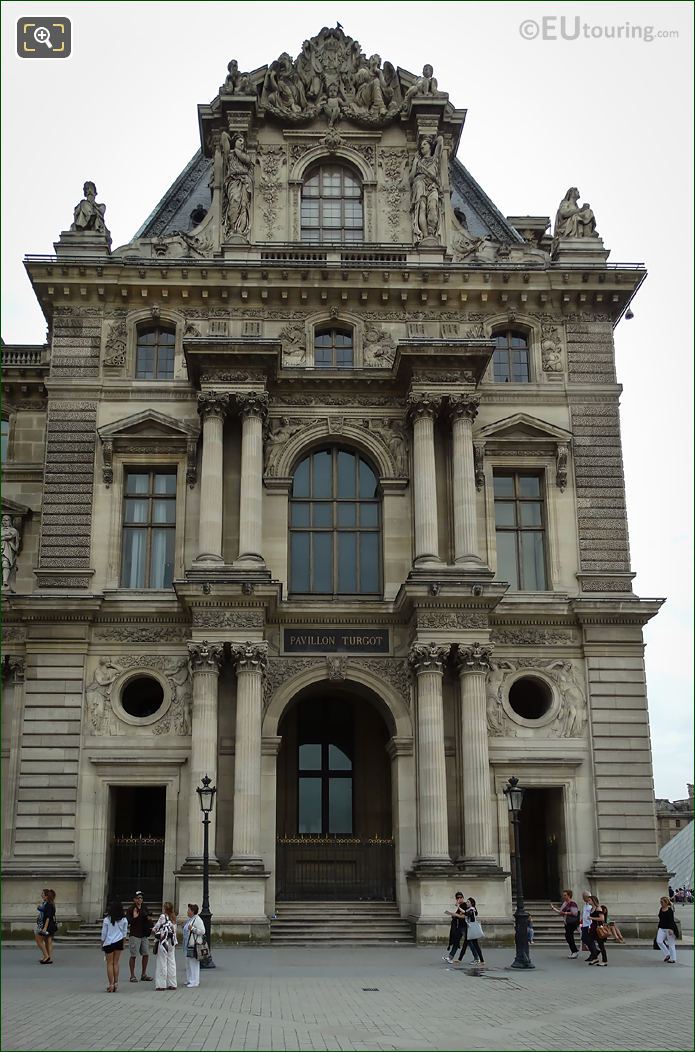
[422, 409]
[253, 408]
[251, 661]
[463, 410]
[206, 660]
[473, 665]
[427, 661]
[212, 407]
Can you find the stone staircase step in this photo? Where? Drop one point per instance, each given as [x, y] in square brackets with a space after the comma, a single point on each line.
[340, 923]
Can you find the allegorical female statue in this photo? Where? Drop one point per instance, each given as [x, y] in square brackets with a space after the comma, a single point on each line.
[238, 187]
[426, 189]
[10, 550]
[572, 220]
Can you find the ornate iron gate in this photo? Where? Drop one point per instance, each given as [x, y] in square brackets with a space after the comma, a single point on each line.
[137, 864]
[335, 868]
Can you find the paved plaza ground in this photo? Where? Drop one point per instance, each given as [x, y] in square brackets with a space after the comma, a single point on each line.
[352, 999]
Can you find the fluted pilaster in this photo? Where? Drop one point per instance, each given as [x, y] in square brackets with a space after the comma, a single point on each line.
[422, 409]
[253, 408]
[473, 665]
[427, 662]
[212, 407]
[206, 660]
[463, 410]
[251, 661]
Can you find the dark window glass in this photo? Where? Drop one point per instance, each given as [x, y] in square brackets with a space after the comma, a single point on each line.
[335, 539]
[510, 361]
[332, 206]
[324, 762]
[4, 439]
[154, 358]
[520, 531]
[333, 349]
[149, 529]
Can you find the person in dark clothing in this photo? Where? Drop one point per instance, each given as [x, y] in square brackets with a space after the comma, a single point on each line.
[474, 932]
[457, 928]
[569, 910]
[667, 932]
[597, 945]
[49, 926]
[140, 926]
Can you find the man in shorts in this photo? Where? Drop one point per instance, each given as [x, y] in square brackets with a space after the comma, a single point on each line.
[140, 926]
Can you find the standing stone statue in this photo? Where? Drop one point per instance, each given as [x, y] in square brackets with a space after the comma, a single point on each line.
[10, 549]
[238, 187]
[97, 694]
[426, 189]
[88, 214]
[572, 220]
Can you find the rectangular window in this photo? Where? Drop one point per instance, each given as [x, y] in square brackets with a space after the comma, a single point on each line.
[520, 531]
[5, 437]
[154, 357]
[149, 529]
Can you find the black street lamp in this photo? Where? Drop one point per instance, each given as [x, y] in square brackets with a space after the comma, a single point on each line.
[206, 794]
[515, 798]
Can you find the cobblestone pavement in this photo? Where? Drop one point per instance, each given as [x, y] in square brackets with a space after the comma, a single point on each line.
[352, 999]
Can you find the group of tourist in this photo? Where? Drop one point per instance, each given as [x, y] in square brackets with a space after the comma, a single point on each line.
[597, 929]
[681, 895]
[137, 921]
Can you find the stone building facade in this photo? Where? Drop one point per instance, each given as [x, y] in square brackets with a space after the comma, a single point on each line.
[316, 488]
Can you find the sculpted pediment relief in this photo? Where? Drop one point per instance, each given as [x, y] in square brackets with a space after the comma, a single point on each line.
[522, 427]
[150, 432]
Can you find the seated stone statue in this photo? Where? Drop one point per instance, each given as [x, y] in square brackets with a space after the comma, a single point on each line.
[424, 85]
[88, 214]
[572, 221]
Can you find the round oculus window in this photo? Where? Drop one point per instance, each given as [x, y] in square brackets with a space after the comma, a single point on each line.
[530, 698]
[142, 697]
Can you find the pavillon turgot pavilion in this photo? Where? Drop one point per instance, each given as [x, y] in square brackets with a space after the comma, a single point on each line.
[316, 488]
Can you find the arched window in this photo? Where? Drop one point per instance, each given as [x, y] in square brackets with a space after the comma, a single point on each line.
[332, 205]
[335, 526]
[510, 358]
[333, 348]
[154, 358]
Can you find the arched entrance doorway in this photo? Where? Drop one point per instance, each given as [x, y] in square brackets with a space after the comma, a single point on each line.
[334, 823]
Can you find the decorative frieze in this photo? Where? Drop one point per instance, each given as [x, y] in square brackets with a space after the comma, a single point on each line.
[569, 707]
[228, 619]
[450, 619]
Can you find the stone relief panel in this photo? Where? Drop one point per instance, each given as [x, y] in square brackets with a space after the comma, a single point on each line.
[103, 716]
[570, 717]
[228, 619]
[393, 670]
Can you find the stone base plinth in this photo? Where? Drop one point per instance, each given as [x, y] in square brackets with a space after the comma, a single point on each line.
[579, 250]
[21, 894]
[82, 243]
[237, 904]
[432, 894]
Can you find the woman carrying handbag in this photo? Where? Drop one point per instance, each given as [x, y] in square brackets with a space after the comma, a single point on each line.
[164, 932]
[475, 932]
[193, 940]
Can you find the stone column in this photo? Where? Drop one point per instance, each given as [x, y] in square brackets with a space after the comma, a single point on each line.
[212, 407]
[253, 409]
[474, 665]
[206, 660]
[251, 660]
[423, 409]
[463, 410]
[427, 661]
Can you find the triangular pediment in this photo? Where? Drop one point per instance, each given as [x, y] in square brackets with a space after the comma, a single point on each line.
[148, 424]
[11, 507]
[525, 428]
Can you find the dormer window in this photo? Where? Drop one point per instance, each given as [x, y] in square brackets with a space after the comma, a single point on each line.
[154, 358]
[332, 205]
[510, 359]
[334, 348]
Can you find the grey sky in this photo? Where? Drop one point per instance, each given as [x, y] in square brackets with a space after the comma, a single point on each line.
[610, 116]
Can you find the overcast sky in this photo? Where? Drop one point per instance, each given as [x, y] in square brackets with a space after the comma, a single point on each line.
[611, 116]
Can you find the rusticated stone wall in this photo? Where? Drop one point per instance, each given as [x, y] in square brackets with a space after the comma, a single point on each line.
[76, 342]
[590, 357]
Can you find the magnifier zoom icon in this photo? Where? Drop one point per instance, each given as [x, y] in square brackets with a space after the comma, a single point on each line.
[42, 36]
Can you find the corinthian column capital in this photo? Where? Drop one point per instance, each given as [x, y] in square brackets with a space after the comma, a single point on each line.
[250, 657]
[213, 403]
[252, 403]
[474, 658]
[428, 657]
[463, 405]
[206, 657]
[423, 404]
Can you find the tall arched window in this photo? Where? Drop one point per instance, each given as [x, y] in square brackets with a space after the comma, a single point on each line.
[332, 205]
[510, 358]
[335, 526]
[154, 358]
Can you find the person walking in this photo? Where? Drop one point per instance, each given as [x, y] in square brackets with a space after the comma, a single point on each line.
[586, 920]
[569, 910]
[457, 928]
[193, 936]
[113, 933]
[598, 933]
[474, 932]
[164, 932]
[46, 925]
[667, 932]
[140, 926]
